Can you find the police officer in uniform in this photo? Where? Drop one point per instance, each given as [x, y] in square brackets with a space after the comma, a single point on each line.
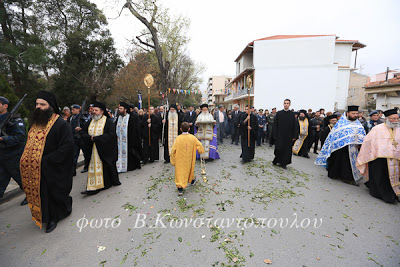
[12, 145]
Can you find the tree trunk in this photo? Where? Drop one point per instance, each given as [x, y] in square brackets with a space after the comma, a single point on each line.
[8, 38]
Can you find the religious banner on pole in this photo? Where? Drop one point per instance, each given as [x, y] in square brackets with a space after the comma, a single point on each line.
[140, 100]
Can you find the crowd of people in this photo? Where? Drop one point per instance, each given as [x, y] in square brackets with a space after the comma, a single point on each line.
[43, 161]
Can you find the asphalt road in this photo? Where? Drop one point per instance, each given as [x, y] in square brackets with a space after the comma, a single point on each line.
[254, 205]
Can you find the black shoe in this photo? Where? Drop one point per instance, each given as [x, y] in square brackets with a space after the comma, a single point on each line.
[90, 192]
[74, 174]
[306, 156]
[24, 202]
[51, 226]
[180, 191]
[166, 161]
[284, 167]
[315, 152]
[273, 163]
[151, 161]
[84, 170]
[193, 181]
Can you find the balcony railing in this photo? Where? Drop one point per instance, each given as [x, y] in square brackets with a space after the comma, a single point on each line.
[243, 92]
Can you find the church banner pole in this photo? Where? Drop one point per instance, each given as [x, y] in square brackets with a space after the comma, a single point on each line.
[148, 81]
[248, 83]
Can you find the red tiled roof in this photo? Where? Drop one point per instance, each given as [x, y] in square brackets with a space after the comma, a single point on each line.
[248, 48]
[395, 80]
[277, 37]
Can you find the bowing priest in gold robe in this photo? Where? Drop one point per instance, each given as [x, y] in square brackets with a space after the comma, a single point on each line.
[47, 163]
[379, 158]
[100, 140]
[183, 157]
[303, 143]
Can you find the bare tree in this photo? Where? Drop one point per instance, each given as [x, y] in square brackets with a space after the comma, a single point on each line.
[149, 12]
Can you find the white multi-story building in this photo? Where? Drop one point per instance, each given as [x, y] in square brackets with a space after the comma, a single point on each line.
[311, 70]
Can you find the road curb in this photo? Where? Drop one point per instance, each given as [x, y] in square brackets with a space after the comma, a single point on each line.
[17, 191]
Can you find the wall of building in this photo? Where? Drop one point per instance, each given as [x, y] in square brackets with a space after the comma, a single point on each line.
[246, 61]
[342, 89]
[301, 69]
[343, 54]
[390, 102]
[218, 85]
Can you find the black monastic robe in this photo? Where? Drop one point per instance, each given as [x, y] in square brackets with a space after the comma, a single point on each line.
[339, 166]
[153, 152]
[324, 134]
[248, 152]
[57, 169]
[379, 182]
[134, 142]
[107, 148]
[284, 131]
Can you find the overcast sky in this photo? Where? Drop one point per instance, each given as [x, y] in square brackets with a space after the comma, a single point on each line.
[220, 29]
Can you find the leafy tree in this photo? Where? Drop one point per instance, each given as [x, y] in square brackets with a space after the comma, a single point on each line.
[81, 49]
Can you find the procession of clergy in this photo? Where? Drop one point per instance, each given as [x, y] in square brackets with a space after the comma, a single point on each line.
[131, 140]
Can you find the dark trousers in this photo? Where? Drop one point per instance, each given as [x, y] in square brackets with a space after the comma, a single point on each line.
[260, 136]
[221, 133]
[78, 145]
[316, 138]
[235, 134]
[9, 168]
[264, 136]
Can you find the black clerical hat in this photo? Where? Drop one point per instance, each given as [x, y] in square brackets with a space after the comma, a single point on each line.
[390, 112]
[302, 111]
[103, 107]
[352, 108]
[125, 105]
[204, 106]
[51, 99]
[173, 106]
[332, 117]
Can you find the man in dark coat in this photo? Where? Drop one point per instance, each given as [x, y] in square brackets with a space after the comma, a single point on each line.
[128, 139]
[248, 152]
[47, 163]
[100, 138]
[284, 134]
[151, 151]
[236, 114]
[332, 120]
[190, 117]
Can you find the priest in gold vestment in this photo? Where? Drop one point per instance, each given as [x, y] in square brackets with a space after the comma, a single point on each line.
[100, 139]
[47, 163]
[183, 157]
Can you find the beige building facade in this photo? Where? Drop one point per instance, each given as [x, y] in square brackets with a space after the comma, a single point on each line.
[356, 94]
[216, 90]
